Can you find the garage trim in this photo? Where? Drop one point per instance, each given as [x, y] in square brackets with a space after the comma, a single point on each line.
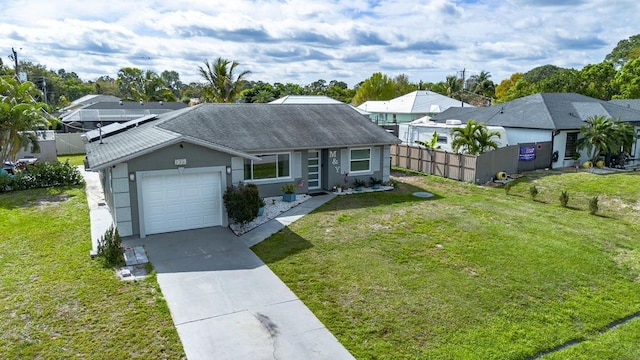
[140, 175]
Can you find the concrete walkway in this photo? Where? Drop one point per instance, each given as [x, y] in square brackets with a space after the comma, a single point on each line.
[224, 301]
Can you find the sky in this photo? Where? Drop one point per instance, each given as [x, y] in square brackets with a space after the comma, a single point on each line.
[298, 41]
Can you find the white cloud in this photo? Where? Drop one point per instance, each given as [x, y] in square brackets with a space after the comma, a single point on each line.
[301, 41]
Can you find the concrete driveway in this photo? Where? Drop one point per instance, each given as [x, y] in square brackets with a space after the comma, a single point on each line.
[227, 304]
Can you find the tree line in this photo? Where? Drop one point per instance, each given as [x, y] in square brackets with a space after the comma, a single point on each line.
[618, 76]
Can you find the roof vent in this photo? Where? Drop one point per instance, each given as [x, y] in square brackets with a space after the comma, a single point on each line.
[453, 122]
[141, 103]
[120, 102]
[161, 103]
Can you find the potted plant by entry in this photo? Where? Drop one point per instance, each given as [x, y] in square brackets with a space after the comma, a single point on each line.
[289, 192]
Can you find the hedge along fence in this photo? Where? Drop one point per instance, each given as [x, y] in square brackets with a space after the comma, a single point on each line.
[476, 169]
[42, 175]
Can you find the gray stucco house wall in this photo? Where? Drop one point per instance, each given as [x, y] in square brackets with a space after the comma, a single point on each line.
[155, 173]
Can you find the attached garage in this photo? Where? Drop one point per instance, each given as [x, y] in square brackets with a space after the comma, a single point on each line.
[173, 200]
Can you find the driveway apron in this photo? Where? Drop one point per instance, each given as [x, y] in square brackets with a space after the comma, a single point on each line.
[227, 304]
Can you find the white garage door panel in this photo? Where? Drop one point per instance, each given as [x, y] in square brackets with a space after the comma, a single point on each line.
[181, 201]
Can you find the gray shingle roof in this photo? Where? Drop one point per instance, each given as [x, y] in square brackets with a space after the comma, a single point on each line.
[547, 111]
[244, 129]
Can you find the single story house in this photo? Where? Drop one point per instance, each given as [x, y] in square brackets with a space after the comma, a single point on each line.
[409, 107]
[550, 121]
[168, 172]
[46, 148]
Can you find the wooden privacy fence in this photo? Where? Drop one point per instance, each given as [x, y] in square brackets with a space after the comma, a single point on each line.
[462, 167]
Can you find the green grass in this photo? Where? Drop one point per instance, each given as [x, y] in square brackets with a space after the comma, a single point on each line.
[77, 159]
[472, 273]
[58, 303]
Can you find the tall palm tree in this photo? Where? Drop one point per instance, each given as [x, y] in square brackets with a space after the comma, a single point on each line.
[19, 115]
[474, 138]
[221, 83]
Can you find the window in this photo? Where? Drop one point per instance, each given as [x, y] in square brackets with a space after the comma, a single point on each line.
[360, 160]
[441, 139]
[570, 147]
[272, 166]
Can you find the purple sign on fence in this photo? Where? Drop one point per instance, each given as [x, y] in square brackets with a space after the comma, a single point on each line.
[527, 153]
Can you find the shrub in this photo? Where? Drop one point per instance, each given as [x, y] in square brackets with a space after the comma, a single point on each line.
[564, 198]
[375, 181]
[533, 191]
[6, 182]
[242, 202]
[359, 183]
[288, 188]
[593, 205]
[43, 175]
[110, 248]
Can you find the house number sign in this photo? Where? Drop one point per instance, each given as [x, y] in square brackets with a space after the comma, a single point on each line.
[333, 157]
[180, 162]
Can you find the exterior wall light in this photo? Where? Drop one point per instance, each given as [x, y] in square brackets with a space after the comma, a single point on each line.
[228, 170]
[132, 176]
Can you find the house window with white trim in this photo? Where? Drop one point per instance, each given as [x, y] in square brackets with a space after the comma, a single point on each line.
[272, 166]
[360, 160]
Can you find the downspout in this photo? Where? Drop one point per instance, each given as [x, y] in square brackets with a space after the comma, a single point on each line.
[553, 136]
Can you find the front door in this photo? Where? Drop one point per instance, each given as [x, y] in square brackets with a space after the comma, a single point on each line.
[315, 182]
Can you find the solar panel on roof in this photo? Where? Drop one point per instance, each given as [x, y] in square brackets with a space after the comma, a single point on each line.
[116, 128]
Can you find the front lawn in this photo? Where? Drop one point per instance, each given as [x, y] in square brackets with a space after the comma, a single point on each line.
[58, 303]
[472, 273]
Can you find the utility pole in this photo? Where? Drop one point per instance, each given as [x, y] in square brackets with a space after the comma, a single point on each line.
[14, 57]
[462, 91]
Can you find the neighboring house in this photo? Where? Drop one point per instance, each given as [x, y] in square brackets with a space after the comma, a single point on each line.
[88, 100]
[89, 116]
[47, 148]
[168, 172]
[551, 121]
[409, 107]
[312, 99]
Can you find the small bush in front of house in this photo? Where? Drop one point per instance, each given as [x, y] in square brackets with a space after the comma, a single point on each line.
[533, 191]
[242, 202]
[593, 205]
[507, 187]
[564, 198]
[110, 248]
[45, 174]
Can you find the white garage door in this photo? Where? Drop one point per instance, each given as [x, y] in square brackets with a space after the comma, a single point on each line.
[181, 201]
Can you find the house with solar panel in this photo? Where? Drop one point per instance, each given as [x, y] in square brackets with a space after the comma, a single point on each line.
[168, 172]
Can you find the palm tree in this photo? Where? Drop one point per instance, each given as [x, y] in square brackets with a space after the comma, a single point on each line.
[453, 85]
[19, 115]
[474, 138]
[598, 135]
[152, 88]
[221, 84]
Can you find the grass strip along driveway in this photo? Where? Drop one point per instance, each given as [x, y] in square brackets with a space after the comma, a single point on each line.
[472, 273]
[58, 303]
